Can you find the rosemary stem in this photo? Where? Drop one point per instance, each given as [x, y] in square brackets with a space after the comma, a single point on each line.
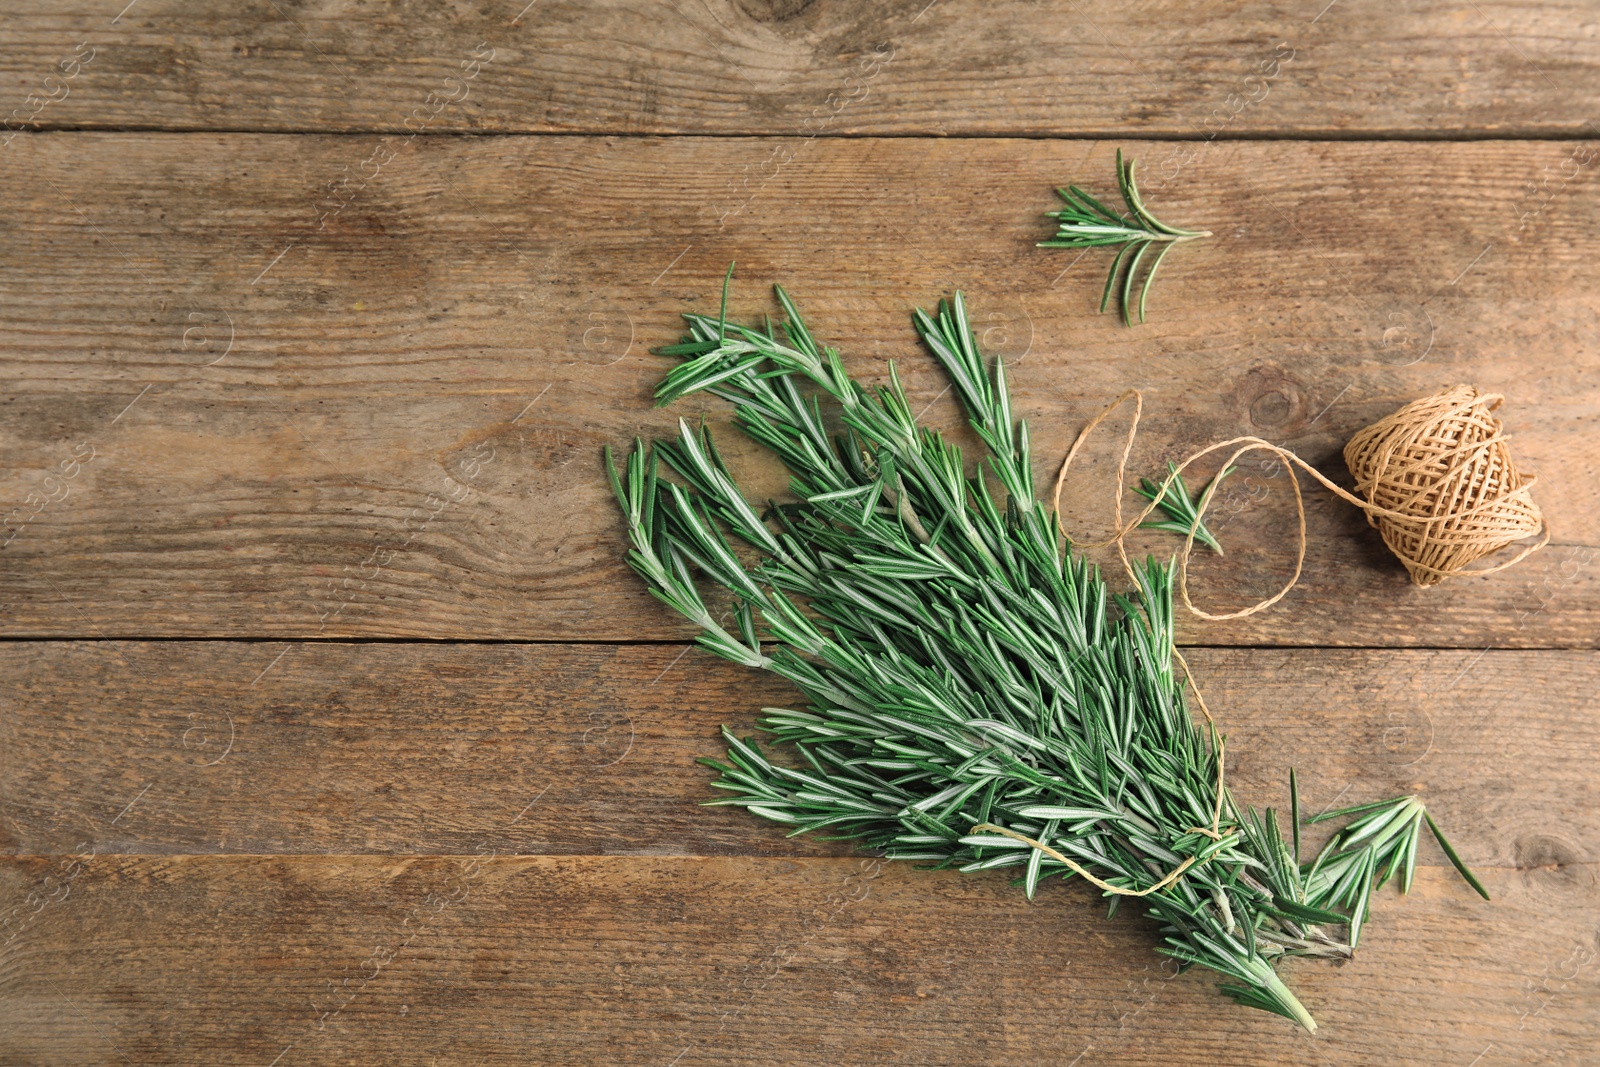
[1270, 979]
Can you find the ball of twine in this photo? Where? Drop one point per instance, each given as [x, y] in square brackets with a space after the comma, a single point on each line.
[1441, 486]
[1435, 478]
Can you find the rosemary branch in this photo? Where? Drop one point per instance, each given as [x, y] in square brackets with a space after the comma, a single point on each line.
[962, 674]
[1182, 510]
[1087, 223]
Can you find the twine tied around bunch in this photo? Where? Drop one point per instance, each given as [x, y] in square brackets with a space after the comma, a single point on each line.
[1214, 831]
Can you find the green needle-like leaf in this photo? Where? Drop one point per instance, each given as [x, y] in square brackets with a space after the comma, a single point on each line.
[1294, 812]
[1455, 860]
[1182, 510]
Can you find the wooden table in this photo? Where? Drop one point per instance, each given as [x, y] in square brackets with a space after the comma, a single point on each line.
[333, 728]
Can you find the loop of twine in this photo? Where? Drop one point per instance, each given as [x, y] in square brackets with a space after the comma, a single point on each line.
[1372, 455]
[1408, 460]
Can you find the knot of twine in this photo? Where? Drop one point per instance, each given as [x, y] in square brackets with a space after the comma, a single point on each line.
[1440, 470]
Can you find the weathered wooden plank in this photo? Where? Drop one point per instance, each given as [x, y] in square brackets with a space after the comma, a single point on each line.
[803, 68]
[176, 747]
[226, 417]
[569, 960]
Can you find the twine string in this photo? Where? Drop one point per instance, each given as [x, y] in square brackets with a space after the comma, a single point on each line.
[1376, 457]
[1085, 875]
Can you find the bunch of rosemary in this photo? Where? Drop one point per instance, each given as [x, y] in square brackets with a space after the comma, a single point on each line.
[977, 698]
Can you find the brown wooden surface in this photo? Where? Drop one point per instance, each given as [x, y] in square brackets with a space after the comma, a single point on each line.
[530, 846]
[403, 439]
[405, 749]
[332, 729]
[824, 67]
[742, 960]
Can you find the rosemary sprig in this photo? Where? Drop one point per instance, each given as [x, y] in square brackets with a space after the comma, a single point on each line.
[974, 698]
[1087, 223]
[1383, 839]
[1182, 510]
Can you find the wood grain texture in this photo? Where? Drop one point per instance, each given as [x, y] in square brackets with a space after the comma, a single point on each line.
[178, 747]
[280, 363]
[811, 67]
[741, 960]
[388, 423]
